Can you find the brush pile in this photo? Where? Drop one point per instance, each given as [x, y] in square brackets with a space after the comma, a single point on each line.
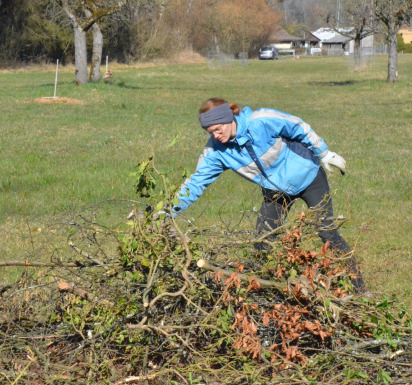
[146, 305]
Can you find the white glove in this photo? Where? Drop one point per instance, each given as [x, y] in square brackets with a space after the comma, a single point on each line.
[333, 159]
[161, 214]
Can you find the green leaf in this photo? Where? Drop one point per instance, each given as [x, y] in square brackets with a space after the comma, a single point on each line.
[145, 262]
[292, 273]
[362, 375]
[174, 141]
[384, 377]
[145, 182]
[374, 319]
[176, 200]
[384, 304]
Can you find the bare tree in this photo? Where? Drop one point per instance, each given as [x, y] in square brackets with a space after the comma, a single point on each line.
[232, 25]
[393, 13]
[80, 50]
[84, 15]
[359, 21]
[306, 13]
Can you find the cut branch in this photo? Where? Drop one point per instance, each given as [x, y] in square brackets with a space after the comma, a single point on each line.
[203, 264]
[80, 292]
[38, 264]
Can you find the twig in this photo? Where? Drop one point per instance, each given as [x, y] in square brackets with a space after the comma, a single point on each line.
[94, 260]
[374, 343]
[23, 371]
[167, 294]
[150, 377]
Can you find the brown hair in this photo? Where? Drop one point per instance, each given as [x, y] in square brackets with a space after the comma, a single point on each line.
[215, 102]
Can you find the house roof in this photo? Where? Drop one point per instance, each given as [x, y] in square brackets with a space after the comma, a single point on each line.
[281, 35]
[325, 34]
[338, 39]
[310, 37]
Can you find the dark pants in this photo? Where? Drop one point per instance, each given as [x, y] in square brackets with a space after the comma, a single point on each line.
[275, 207]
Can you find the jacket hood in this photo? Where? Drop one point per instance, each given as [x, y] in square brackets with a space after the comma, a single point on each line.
[242, 122]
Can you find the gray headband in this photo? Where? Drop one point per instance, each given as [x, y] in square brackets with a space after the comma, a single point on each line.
[219, 115]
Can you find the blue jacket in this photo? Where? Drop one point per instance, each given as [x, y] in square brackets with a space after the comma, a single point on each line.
[287, 147]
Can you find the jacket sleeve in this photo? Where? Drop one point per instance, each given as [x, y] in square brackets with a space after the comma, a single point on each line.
[207, 170]
[294, 128]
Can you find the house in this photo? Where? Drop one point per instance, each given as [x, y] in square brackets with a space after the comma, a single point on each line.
[284, 41]
[406, 32]
[337, 45]
[334, 43]
[324, 34]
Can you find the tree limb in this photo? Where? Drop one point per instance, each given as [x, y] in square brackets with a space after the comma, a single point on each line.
[80, 292]
[203, 264]
[39, 264]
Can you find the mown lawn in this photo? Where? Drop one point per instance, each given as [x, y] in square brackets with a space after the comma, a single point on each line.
[60, 158]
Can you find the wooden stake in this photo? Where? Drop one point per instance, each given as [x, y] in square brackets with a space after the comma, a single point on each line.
[55, 81]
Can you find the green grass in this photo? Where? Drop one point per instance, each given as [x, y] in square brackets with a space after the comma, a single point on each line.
[64, 157]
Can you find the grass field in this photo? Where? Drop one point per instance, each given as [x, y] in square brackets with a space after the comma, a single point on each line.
[59, 158]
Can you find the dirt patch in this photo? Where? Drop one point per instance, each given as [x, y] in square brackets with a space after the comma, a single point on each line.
[58, 100]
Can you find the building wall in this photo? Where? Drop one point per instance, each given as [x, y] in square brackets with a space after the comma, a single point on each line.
[407, 35]
[282, 45]
[366, 44]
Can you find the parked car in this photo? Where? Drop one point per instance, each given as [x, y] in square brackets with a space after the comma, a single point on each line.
[268, 53]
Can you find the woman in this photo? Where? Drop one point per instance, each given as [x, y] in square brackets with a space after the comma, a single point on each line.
[277, 151]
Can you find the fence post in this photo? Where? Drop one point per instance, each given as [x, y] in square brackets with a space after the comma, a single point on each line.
[55, 80]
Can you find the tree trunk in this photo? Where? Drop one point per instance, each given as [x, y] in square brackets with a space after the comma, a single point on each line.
[97, 49]
[80, 50]
[393, 54]
[97, 53]
[215, 42]
[80, 55]
[357, 52]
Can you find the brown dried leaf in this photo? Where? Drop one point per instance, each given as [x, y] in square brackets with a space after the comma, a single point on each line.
[325, 248]
[254, 284]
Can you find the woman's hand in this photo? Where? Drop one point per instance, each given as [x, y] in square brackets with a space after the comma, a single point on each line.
[333, 159]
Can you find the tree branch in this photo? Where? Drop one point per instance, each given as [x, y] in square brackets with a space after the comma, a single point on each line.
[203, 264]
[80, 292]
[27, 263]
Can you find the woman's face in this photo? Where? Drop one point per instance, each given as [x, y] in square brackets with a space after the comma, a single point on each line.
[223, 132]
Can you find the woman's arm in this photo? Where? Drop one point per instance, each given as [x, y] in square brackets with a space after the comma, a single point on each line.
[209, 167]
[281, 124]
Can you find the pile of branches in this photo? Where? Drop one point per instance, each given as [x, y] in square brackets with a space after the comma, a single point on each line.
[147, 305]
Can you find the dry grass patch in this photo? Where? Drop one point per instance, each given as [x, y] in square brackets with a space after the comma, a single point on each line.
[50, 100]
